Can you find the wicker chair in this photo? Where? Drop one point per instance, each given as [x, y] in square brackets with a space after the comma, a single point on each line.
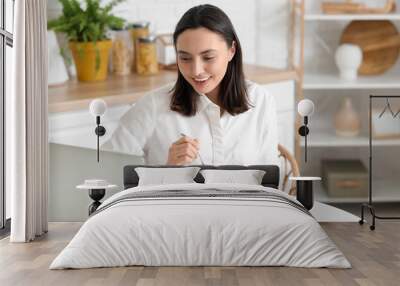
[290, 168]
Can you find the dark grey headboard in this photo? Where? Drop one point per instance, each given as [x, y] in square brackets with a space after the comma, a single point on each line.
[270, 179]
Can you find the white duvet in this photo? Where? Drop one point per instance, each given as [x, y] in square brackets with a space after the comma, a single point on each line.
[200, 231]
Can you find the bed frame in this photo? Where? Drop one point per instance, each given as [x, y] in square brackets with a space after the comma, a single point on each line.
[270, 179]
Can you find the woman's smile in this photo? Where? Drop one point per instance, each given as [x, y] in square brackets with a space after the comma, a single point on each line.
[201, 83]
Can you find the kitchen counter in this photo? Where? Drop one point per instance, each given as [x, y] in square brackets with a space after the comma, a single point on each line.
[116, 90]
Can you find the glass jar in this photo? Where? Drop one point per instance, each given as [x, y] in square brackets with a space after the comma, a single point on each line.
[121, 52]
[137, 30]
[146, 63]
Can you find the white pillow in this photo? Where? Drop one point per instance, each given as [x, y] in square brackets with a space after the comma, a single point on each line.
[249, 177]
[162, 176]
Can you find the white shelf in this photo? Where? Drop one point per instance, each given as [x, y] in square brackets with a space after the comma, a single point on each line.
[383, 191]
[326, 139]
[322, 75]
[331, 80]
[350, 17]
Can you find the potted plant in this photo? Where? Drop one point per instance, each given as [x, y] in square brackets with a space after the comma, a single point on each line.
[86, 29]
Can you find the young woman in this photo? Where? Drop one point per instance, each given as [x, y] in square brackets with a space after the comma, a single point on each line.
[211, 115]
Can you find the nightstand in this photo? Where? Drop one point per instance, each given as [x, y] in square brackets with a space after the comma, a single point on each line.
[97, 189]
[304, 190]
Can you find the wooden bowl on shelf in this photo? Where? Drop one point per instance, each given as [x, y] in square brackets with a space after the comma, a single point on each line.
[379, 41]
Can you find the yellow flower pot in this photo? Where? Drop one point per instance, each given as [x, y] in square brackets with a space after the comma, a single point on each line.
[84, 55]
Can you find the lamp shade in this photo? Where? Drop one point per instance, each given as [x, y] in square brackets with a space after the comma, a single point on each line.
[305, 107]
[97, 107]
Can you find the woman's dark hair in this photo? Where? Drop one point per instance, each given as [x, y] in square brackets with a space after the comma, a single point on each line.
[233, 93]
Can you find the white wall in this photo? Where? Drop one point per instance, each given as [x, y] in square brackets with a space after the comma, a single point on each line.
[66, 203]
[260, 24]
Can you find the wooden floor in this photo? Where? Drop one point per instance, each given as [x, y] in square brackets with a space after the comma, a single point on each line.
[374, 255]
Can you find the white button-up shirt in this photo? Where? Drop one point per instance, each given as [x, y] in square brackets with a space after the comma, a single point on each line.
[149, 128]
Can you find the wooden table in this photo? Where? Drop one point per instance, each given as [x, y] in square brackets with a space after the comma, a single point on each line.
[75, 95]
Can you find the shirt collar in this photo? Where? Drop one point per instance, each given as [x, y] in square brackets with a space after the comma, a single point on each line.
[204, 101]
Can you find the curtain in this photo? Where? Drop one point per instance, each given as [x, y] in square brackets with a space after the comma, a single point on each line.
[27, 123]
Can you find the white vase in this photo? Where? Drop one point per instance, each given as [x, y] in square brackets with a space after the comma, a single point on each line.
[347, 120]
[57, 72]
[348, 58]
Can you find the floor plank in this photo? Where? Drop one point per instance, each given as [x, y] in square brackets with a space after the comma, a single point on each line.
[374, 255]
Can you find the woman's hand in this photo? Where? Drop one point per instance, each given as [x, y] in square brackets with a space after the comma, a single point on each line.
[183, 151]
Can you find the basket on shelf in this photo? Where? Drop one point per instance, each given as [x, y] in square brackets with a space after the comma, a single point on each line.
[350, 7]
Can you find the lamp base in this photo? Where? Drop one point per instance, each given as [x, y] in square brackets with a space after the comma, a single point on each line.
[303, 130]
[100, 130]
[96, 195]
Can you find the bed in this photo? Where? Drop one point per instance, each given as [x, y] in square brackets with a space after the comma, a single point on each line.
[201, 224]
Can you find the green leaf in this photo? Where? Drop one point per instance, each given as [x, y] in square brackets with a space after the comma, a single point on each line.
[66, 56]
[88, 24]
